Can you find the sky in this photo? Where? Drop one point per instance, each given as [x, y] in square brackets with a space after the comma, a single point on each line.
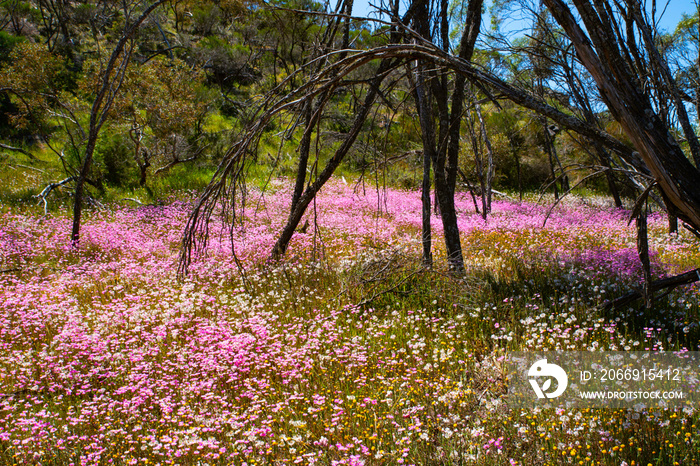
[673, 13]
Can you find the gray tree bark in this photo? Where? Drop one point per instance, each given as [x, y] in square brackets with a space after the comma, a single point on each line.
[599, 52]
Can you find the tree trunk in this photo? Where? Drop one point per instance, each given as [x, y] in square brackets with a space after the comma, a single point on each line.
[311, 115]
[109, 87]
[489, 161]
[669, 84]
[549, 150]
[423, 104]
[605, 161]
[143, 169]
[630, 106]
[672, 223]
[519, 170]
[437, 146]
[472, 25]
[304, 148]
[80, 191]
[310, 192]
[448, 214]
[426, 234]
[478, 160]
[643, 251]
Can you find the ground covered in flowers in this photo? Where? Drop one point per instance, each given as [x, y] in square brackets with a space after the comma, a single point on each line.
[347, 353]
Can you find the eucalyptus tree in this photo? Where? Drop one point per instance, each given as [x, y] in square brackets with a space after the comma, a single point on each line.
[109, 84]
[638, 87]
[683, 54]
[418, 41]
[610, 52]
[439, 113]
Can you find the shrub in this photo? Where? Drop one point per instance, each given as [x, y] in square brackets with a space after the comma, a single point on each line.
[114, 156]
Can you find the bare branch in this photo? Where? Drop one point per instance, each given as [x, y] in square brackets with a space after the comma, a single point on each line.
[176, 161]
[17, 149]
[47, 190]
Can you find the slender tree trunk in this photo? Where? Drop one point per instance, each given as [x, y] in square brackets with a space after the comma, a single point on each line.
[436, 146]
[311, 115]
[605, 161]
[423, 103]
[697, 90]
[143, 169]
[304, 148]
[564, 180]
[519, 170]
[672, 223]
[478, 161]
[643, 251]
[466, 181]
[109, 87]
[472, 25]
[310, 192]
[426, 234]
[554, 162]
[80, 191]
[346, 27]
[445, 198]
[489, 161]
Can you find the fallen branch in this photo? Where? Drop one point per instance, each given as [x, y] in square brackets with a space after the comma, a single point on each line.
[499, 193]
[16, 269]
[17, 149]
[132, 200]
[176, 161]
[47, 190]
[669, 283]
[31, 168]
[24, 391]
[389, 290]
[694, 231]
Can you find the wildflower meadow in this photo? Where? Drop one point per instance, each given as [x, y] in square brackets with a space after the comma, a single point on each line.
[347, 352]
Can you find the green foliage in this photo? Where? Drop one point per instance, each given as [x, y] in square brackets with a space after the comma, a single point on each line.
[7, 107]
[7, 43]
[84, 13]
[687, 26]
[181, 178]
[34, 78]
[114, 155]
[205, 18]
[198, 71]
[227, 64]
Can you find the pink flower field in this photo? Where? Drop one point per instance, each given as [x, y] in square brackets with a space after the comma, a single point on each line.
[107, 357]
